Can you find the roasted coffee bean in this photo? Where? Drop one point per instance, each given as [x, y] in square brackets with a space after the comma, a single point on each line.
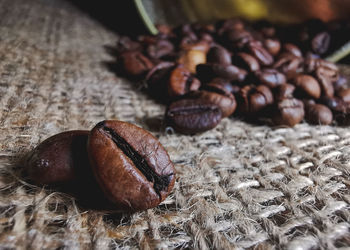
[126, 44]
[206, 72]
[191, 58]
[191, 116]
[313, 63]
[252, 99]
[58, 159]
[160, 49]
[247, 62]
[231, 24]
[308, 85]
[326, 81]
[181, 81]
[157, 80]
[320, 43]
[317, 113]
[273, 46]
[219, 55]
[131, 166]
[260, 53]
[292, 49]
[289, 64]
[237, 39]
[135, 63]
[340, 84]
[218, 96]
[271, 77]
[289, 112]
[344, 94]
[285, 91]
[221, 84]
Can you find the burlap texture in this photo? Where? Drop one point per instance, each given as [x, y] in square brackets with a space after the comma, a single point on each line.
[237, 186]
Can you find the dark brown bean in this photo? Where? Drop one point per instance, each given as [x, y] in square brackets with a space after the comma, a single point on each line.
[206, 72]
[273, 46]
[126, 44]
[157, 80]
[58, 159]
[219, 55]
[292, 49]
[238, 38]
[257, 50]
[181, 81]
[289, 112]
[308, 85]
[252, 99]
[221, 83]
[135, 63]
[190, 116]
[289, 64]
[341, 84]
[318, 114]
[271, 77]
[247, 62]
[285, 91]
[326, 81]
[131, 166]
[159, 49]
[320, 43]
[218, 96]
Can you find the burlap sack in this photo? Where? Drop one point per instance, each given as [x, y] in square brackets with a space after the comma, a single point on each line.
[238, 185]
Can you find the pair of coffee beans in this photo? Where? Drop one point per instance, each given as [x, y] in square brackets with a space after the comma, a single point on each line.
[255, 71]
[130, 166]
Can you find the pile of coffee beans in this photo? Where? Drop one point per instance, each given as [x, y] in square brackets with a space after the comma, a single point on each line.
[257, 71]
[119, 160]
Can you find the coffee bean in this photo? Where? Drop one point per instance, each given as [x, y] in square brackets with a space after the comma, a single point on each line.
[135, 63]
[191, 116]
[160, 49]
[320, 43]
[340, 84]
[344, 94]
[247, 62]
[231, 24]
[206, 72]
[218, 96]
[221, 83]
[237, 39]
[131, 166]
[181, 81]
[219, 55]
[292, 49]
[308, 85]
[191, 58]
[58, 159]
[157, 80]
[318, 114]
[260, 53]
[289, 112]
[289, 64]
[126, 44]
[252, 99]
[273, 46]
[285, 91]
[326, 81]
[271, 77]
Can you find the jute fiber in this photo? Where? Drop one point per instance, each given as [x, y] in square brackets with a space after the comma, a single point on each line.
[238, 186]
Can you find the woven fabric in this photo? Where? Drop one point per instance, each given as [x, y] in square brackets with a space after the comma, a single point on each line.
[237, 186]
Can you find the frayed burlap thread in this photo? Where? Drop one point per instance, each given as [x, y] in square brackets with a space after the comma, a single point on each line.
[238, 186]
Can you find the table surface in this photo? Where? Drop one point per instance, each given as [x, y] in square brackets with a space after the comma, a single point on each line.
[237, 186]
